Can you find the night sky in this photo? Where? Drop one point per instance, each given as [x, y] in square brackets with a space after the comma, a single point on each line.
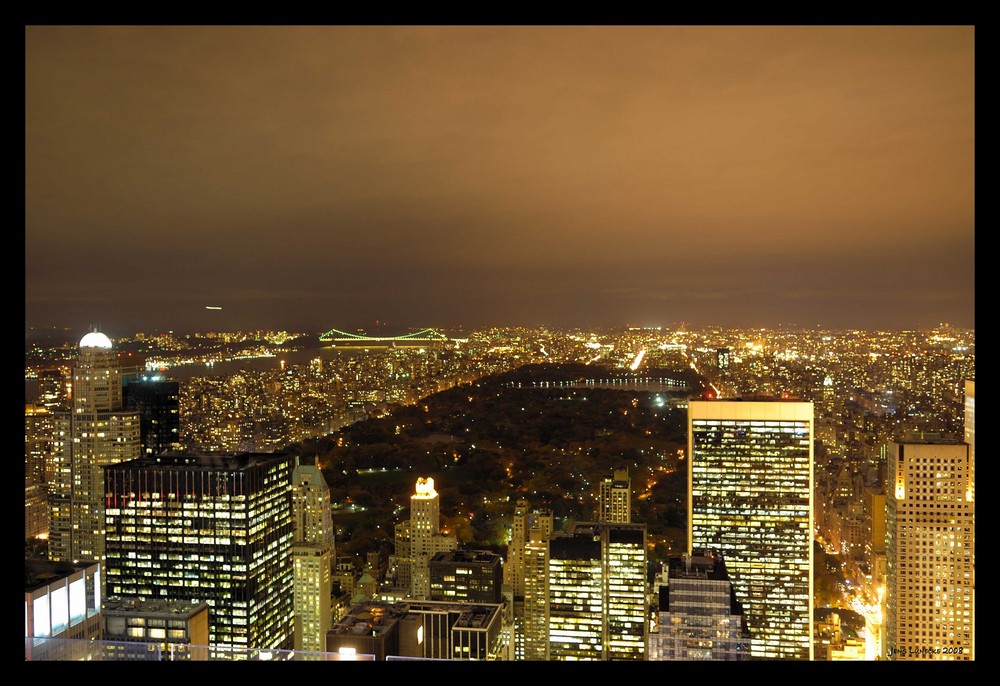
[305, 178]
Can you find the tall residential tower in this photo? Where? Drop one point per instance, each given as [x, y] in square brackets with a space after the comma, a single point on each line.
[930, 552]
[313, 556]
[615, 498]
[95, 433]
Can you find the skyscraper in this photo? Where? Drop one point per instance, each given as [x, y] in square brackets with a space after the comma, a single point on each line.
[534, 624]
[525, 519]
[750, 497]
[699, 616]
[597, 603]
[576, 599]
[426, 538]
[313, 556]
[615, 498]
[37, 452]
[970, 433]
[524, 573]
[930, 552]
[95, 433]
[970, 438]
[213, 528]
[157, 401]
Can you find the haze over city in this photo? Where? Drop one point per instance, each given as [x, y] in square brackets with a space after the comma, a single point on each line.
[331, 176]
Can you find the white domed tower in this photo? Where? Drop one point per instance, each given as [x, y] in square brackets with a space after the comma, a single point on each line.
[97, 379]
[95, 433]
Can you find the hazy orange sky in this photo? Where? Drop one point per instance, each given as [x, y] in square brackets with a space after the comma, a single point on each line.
[315, 177]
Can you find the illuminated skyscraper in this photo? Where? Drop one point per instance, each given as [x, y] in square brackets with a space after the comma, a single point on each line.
[37, 453]
[54, 389]
[970, 438]
[597, 602]
[525, 519]
[96, 433]
[530, 528]
[426, 538]
[313, 556]
[214, 528]
[750, 496]
[970, 433]
[576, 599]
[615, 498]
[930, 552]
[514, 569]
[534, 633]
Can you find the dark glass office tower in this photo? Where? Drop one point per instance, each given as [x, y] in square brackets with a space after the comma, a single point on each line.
[214, 528]
[157, 401]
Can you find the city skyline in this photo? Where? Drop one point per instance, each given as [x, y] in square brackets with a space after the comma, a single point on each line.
[321, 176]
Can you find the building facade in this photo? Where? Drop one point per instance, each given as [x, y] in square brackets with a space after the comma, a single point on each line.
[470, 576]
[750, 498]
[37, 453]
[532, 631]
[62, 604]
[313, 556]
[597, 604]
[615, 498]
[425, 537]
[157, 401]
[699, 617]
[420, 630]
[95, 433]
[930, 552]
[212, 528]
[177, 627]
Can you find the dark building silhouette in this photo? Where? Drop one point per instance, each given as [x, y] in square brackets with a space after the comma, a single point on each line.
[467, 576]
[158, 403]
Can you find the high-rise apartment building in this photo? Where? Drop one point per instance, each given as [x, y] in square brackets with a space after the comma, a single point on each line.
[313, 556]
[426, 538]
[615, 498]
[597, 603]
[95, 433]
[525, 519]
[38, 424]
[750, 498]
[930, 552]
[214, 528]
[532, 626]
[54, 389]
[524, 575]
